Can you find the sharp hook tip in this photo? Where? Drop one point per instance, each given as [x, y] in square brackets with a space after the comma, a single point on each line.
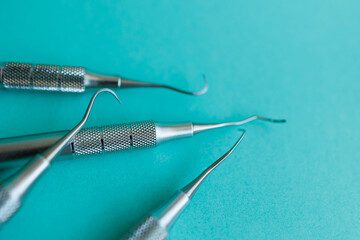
[110, 91]
[203, 90]
[197, 93]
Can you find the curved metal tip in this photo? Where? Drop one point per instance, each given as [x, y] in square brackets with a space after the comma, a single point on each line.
[190, 189]
[197, 93]
[198, 127]
[268, 119]
[106, 90]
[56, 148]
[92, 103]
[126, 83]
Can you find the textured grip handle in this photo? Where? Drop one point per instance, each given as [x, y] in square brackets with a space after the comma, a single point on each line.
[43, 77]
[115, 138]
[8, 205]
[149, 229]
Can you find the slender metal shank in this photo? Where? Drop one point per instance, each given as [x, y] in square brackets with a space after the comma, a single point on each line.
[14, 188]
[157, 224]
[112, 138]
[69, 79]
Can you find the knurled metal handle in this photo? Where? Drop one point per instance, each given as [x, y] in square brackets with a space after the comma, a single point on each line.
[114, 138]
[43, 77]
[8, 205]
[149, 229]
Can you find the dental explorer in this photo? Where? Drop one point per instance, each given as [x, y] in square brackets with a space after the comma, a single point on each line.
[157, 224]
[111, 138]
[69, 79]
[13, 189]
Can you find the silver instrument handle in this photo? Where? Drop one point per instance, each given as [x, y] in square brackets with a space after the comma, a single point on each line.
[113, 138]
[43, 77]
[93, 140]
[70, 79]
[149, 229]
[157, 225]
[8, 205]
[14, 188]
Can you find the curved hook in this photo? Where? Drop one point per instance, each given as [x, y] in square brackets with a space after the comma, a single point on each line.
[55, 149]
[126, 83]
[88, 110]
[199, 127]
[254, 118]
[13, 189]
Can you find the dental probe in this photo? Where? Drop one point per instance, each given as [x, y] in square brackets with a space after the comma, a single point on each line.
[157, 224]
[69, 79]
[111, 138]
[13, 189]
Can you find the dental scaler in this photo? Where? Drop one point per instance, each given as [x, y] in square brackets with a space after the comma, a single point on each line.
[69, 79]
[157, 224]
[111, 138]
[14, 188]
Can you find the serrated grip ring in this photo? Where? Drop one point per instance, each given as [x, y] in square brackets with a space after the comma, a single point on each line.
[113, 138]
[149, 229]
[8, 205]
[43, 77]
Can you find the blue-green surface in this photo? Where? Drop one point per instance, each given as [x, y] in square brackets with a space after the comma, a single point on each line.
[298, 60]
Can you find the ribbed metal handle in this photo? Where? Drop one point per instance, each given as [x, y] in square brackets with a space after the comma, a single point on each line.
[149, 229]
[8, 205]
[115, 138]
[43, 77]
[88, 141]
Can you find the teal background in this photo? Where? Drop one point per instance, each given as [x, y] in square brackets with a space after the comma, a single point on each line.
[297, 60]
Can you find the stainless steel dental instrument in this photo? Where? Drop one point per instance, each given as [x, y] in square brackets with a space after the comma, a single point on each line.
[13, 189]
[69, 79]
[157, 224]
[110, 138]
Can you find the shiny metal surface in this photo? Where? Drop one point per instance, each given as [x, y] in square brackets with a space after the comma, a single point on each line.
[88, 141]
[148, 229]
[165, 216]
[8, 205]
[1, 74]
[97, 80]
[143, 134]
[29, 145]
[170, 131]
[116, 138]
[17, 75]
[43, 77]
[16, 186]
[157, 225]
[200, 127]
[168, 212]
[191, 188]
[127, 83]
[13, 189]
[70, 79]
[111, 138]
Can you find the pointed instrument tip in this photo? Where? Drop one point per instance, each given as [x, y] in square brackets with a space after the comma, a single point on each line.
[270, 119]
[197, 93]
[204, 89]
